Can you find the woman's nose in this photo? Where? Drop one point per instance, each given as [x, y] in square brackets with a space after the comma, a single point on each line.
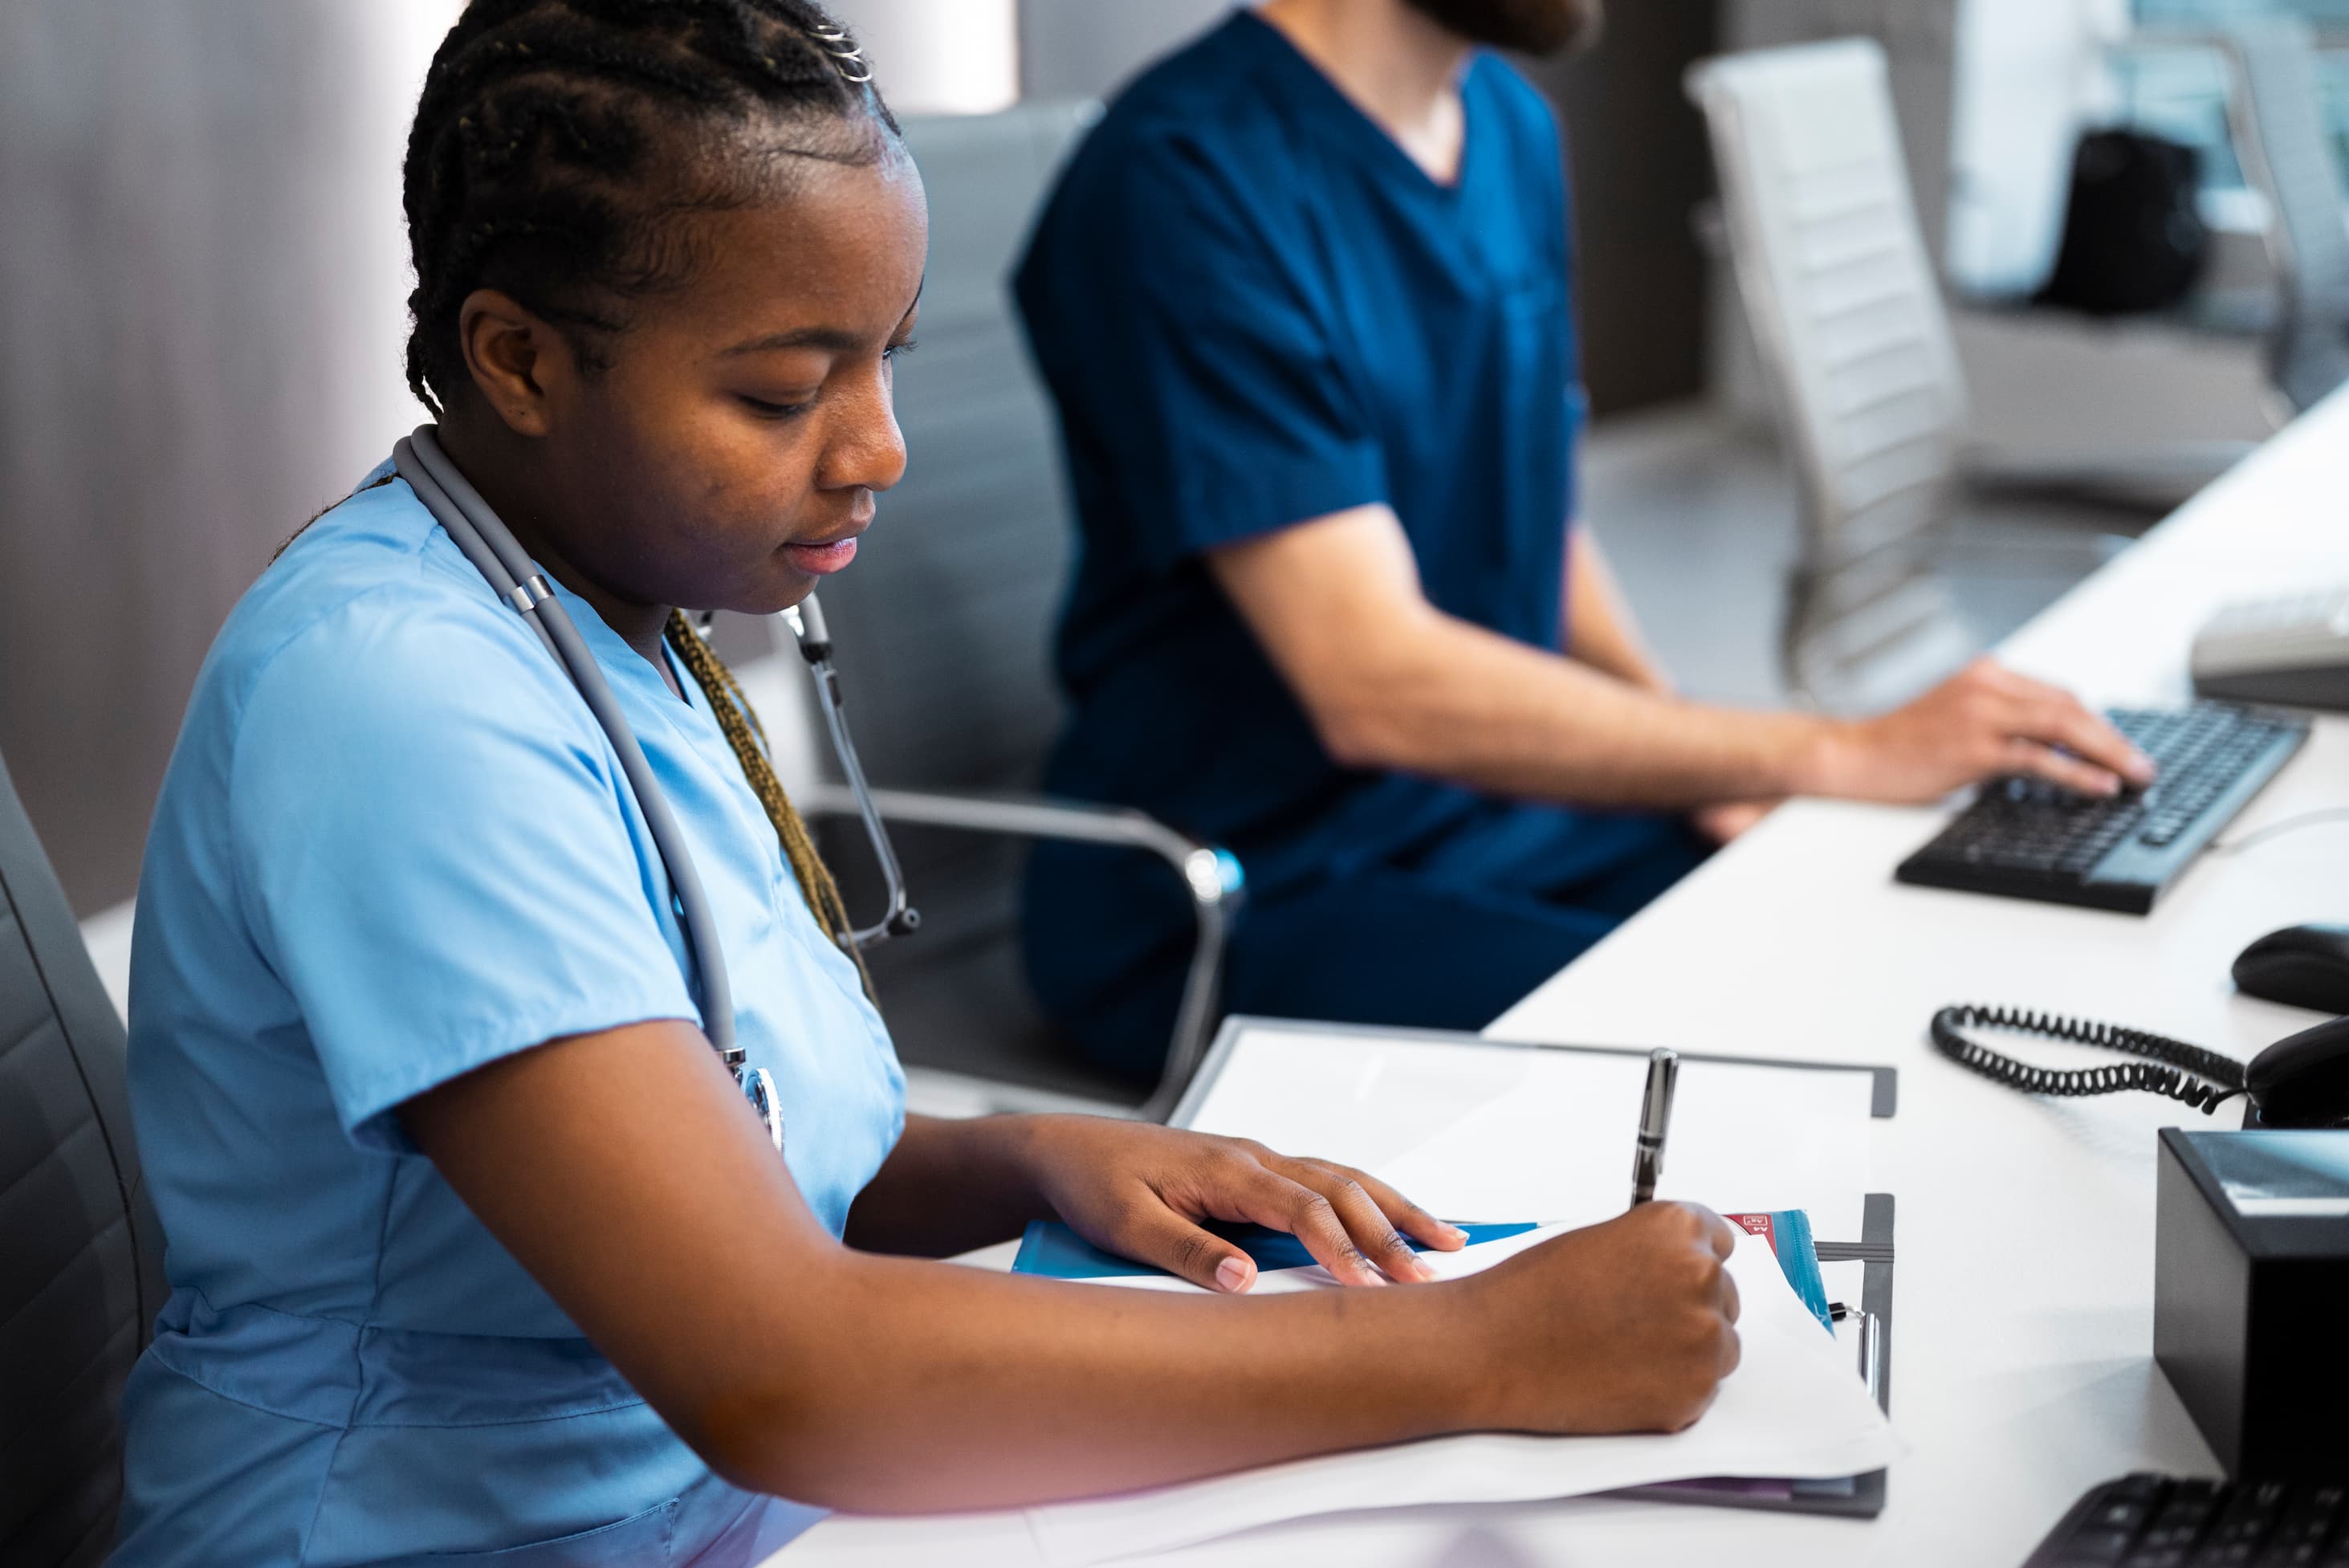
[867, 448]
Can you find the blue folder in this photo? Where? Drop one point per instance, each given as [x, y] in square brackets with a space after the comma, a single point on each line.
[1056, 1252]
[1053, 1252]
[1798, 1259]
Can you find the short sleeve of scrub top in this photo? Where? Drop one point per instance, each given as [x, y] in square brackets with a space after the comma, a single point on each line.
[433, 790]
[393, 846]
[1238, 415]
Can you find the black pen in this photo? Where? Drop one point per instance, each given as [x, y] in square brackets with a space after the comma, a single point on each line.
[1655, 1115]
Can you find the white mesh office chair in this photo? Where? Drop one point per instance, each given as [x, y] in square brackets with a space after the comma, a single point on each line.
[1854, 344]
[81, 1257]
[2276, 115]
[1853, 333]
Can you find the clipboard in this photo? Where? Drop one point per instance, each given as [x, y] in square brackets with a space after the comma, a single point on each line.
[1884, 1098]
[1855, 1497]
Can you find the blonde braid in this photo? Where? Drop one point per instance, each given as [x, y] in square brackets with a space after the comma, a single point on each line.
[744, 733]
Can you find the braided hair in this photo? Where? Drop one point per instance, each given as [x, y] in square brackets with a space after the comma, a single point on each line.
[556, 147]
[559, 143]
[739, 722]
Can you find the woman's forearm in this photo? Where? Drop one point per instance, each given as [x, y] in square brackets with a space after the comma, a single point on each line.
[950, 1185]
[625, 1172]
[925, 1389]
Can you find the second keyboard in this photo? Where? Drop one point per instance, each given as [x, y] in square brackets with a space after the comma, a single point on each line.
[2023, 838]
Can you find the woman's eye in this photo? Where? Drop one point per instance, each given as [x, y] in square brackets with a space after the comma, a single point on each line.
[771, 411]
[894, 349]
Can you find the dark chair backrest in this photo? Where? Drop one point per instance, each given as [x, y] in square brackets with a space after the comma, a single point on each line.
[945, 627]
[81, 1257]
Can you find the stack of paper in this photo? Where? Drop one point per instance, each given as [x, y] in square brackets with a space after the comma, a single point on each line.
[1794, 1408]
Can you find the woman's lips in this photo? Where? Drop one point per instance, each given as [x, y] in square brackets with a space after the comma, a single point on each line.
[822, 560]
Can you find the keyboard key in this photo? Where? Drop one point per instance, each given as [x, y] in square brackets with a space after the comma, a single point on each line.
[2095, 1546]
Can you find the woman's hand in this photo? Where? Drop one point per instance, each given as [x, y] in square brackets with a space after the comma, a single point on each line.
[887, 1384]
[1141, 1192]
[1625, 1326]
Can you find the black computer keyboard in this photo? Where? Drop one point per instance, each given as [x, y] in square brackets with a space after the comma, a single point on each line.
[2026, 839]
[2158, 1521]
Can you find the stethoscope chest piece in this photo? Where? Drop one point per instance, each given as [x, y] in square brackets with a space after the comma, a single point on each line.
[759, 1088]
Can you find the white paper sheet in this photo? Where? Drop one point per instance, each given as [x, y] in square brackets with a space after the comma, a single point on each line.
[1794, 1408]
[1474, 1131]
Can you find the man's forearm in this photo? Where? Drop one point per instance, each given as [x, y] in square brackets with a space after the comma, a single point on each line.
[1600, 630]
[1456, 702]
[1393, 683]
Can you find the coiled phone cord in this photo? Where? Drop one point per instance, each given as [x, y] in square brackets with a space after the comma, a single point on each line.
[2199, 1078]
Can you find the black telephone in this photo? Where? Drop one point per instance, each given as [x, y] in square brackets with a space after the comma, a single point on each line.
[2301, 1081]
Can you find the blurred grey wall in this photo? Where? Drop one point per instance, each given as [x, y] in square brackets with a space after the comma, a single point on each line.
[1085, 49]
[1640, 163]
[203, 285]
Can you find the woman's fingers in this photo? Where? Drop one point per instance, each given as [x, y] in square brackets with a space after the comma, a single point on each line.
[1368, 1223]
[1409, 1216]
[1399, 1211]
[1271, 1198]
[1353, 1225]
[1154, 1233]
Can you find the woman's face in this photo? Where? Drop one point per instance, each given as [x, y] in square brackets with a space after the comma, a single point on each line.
[728, 456]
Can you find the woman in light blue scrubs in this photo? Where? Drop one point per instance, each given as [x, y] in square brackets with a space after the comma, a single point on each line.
[478, 1253]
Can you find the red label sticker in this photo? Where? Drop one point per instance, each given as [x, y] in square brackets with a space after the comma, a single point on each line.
[1756, 1225]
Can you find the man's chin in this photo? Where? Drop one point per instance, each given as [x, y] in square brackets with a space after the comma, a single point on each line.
[1538, 28]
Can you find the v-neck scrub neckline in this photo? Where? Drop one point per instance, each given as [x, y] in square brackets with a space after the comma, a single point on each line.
[1377, 141]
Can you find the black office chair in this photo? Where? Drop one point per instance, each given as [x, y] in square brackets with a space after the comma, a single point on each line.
[81, 1256]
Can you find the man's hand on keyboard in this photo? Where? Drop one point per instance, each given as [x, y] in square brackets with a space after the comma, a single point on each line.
[1982, 722]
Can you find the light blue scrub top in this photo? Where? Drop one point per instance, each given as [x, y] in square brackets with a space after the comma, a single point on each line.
[393, 846]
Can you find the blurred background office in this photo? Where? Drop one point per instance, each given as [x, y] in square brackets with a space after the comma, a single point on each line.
[202, 288]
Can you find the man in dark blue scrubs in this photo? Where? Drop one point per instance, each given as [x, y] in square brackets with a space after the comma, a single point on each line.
[1302, 298]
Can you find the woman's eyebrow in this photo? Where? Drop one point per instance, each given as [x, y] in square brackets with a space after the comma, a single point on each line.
[838, 339]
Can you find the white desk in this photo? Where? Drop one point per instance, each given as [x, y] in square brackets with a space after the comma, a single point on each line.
[2021, 1366]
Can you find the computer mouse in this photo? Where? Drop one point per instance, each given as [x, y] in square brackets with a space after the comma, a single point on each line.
[2302, 966]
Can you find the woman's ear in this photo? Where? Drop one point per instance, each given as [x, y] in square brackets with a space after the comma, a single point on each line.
[515, 358]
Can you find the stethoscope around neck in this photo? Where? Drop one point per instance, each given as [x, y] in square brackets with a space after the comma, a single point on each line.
[485, 541]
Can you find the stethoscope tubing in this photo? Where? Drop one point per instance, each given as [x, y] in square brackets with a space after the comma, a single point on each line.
[485, 541]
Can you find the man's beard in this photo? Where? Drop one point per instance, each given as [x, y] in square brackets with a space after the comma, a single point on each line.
[1539, 27]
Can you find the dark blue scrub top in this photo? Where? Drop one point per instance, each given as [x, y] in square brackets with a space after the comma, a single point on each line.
[1254, 309]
